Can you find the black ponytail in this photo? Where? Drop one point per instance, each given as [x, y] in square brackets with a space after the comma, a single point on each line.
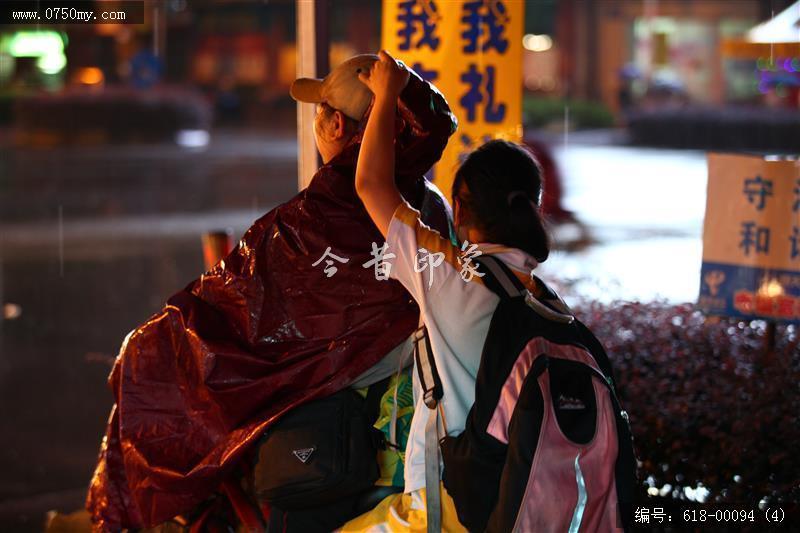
[500, 184]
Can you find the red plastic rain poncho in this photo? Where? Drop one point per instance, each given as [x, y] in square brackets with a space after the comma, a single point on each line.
[261, 332]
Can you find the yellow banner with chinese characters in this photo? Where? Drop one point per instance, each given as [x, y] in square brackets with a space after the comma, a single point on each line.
[472, 51]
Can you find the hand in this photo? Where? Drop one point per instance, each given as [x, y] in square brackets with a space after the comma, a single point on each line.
[386, 78]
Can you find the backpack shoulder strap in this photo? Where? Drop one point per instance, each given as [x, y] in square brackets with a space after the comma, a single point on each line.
[426, 368]
[432, 393]
[498, 277]
[501, 280]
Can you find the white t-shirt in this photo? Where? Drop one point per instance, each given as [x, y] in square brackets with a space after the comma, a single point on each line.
[457, 311]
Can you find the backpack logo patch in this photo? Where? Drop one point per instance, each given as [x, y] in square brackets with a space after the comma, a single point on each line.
[568, 403]
[303, 454]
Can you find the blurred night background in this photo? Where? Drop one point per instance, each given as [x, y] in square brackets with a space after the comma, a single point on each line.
[121, 145]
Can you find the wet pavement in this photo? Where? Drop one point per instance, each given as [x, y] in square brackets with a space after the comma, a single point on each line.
[644, 207]
[93, 240]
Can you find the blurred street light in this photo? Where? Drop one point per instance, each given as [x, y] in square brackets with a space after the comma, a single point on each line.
[537, 43]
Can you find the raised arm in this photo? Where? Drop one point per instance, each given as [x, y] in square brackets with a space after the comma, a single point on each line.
[376, 165]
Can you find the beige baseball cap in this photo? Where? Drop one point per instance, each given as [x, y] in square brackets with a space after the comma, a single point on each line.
[341, 89]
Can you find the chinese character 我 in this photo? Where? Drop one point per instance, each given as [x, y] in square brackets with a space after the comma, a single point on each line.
[330, 269]
[488, 13]
[414, 16]
[382, 267]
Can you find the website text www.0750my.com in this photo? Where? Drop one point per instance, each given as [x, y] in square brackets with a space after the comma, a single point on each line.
[79, 12]
[64, 14]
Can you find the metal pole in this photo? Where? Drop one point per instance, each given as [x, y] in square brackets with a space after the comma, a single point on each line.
[159, 44]
[313, 43]
[769, 341]
[216, 245]
[2, 315]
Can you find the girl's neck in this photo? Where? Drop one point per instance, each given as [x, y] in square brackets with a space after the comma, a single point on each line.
[473, 235]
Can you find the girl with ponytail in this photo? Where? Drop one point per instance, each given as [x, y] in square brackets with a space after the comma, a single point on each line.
[497, 192]
[496, 195]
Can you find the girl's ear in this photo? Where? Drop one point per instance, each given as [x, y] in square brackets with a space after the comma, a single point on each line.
[461, 216]
[339, 122]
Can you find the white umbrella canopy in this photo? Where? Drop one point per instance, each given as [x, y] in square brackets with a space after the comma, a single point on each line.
[782, 28]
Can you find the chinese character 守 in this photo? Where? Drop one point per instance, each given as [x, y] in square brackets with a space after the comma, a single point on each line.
[757, 189]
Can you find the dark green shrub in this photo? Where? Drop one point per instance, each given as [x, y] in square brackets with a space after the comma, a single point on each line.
[540, 112]
[705, 406]
[6, 105]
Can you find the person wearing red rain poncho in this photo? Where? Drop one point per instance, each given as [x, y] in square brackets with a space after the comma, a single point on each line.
[271, 326]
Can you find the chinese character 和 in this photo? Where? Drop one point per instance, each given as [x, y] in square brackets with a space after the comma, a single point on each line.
[755, 238]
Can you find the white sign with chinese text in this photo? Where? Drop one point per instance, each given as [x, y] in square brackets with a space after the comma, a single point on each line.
[751, 238]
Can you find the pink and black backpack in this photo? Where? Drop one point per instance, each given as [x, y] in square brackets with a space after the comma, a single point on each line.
[547, 446]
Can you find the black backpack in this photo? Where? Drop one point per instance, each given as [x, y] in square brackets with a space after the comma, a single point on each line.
[546, 446]
[317, 465]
